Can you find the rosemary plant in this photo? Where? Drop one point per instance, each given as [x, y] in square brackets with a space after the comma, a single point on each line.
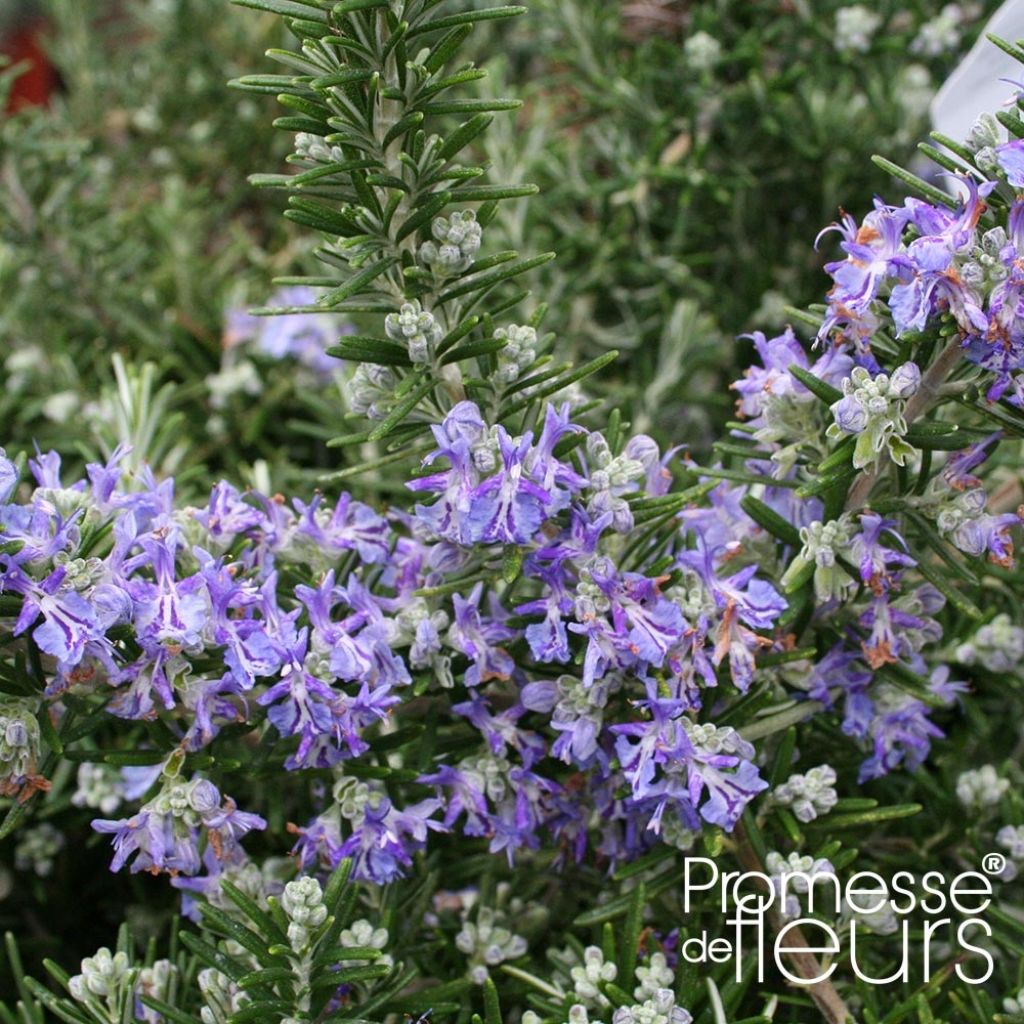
[501, 719]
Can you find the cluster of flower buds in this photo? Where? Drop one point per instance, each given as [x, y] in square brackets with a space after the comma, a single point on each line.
[872, 411]
[371, 390]
[588, 975]
[314, 149]
[416, 328]
[106, 983]
[19, 743]
[303, 905]
[456, 242]
[519, 353]
[997, 646]
[487, 942]
[810, 795]
[979, 788]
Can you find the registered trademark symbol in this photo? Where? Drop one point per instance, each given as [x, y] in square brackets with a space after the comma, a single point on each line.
[994, 863]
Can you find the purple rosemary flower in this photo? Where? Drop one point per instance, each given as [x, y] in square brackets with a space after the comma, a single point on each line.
[302, 336]
[478, 636]
[878, 563]
[8, 477]
[691, 768]
[1010, 156]
[362, 823]
[164, 835]
[351, 526]
[957, 471]
[508, 507]
[874, 255]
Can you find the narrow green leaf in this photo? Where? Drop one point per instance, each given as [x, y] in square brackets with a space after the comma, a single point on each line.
[564, 380]
[952, 595]
[358, 281]
[424, 215]
[854, 803]
[350, 975]
[919, 185]
[49, 734]
[252, 910]
[469, 17]
[487, 193]
[405, 124]
[381, 352]
[463, 136]
[457, 333]
[401, 410]
[1007, 47]
[671, 508]
[954, 147]
[492, 1008]
[232, 929]
[271, 84]
[643, 864]
[616, 996]
[269, 180]
[783, 766]
[629, 937]
[917, 686]
[920, 436]
[305, 9]
[842, 455]
[70, 1014]
[477, 282]
[488, 346]
[470, 106]
[210, 956]
[267, 976]
[311, 108]
[301, 124]
[262, 1010]
[804, 316]
[447, 48]
[1011, 122]
[348, 76]
[351, 6]
[815, 385]
[787, 657]
[771, 521]
[312, 30]
[461, 585]
[16, 967]
[319, 216]
[875, 817]
[944, 160]
[826, 483]
[511, 564]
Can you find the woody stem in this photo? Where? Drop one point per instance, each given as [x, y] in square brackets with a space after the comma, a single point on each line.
[803, 963]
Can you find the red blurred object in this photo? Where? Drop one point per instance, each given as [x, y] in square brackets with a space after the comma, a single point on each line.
[39, 82]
